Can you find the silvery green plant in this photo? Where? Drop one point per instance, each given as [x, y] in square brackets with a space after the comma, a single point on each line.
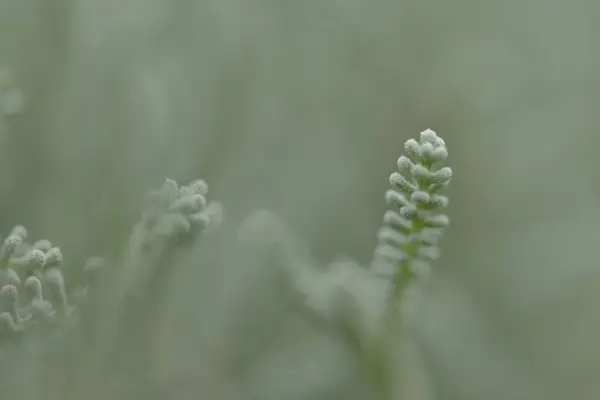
[171, 217]
[371, 307]
[39, 307]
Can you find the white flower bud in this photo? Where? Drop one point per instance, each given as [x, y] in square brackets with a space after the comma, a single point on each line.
[397, 222]
[431, 253]
[442, 176]
[53, 257]
[35, 258]
[426, 151]
[397, 199]
[429, 136]
[420, 197]
[437, 221]
[199, 220]
[401, 183]
[404, 165]
[169, 191]
[420, 173]
[216, 212]
[438, 201]
[391, 236]
[409, 212]
[421, 269]
[43, 245]
[390, 253]
[198, 187]
[430, 236]
[10, 292]
[439, 154]
[412, 148]
[11, 242]
[20, 231]
[188, 205]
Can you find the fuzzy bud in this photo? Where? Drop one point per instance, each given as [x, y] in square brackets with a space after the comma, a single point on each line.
[429, 136]
[11, 242]
[412, 148]
[420, 173]
[439, 154]
[396, 199]
[391, 236]
[35, 258]
[404, 165]
[198, 187]
[397, 222]
[53, 257]
[442, 176]
[42, 244]
[409, 212]
[438, 201]
[20, 231]
[390, 253]
[399, 182]
[420, 197]
[426, 151]
[10, 292]
[188, 205]
[430, 253]
[437, 221]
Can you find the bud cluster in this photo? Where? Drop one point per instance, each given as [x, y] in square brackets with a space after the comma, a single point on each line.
[412, 228]
[33, 291]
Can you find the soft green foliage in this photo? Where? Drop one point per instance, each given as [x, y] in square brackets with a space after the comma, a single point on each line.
[301, 108]
[361, 303]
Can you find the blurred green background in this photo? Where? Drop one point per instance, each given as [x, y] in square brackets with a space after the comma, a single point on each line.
[302, 107]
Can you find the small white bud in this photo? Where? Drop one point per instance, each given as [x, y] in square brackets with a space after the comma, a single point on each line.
[198, 187]
[391, 236]
[396, 221]
[438, 201]
[420, 197]
[409, 212]
[430, 236]
[421, 269]
[169, 190]
[420, 173]
[439, 154]
[396, 199]
[35, 258]
[216, 212]
[43, 245]
[10, 292]
[188, 205]
[431, 253]
[20, 231]
[199, 220]
[11, 242]
[412, 148]
[390, 253]
[442, 176]
[437, 221]
[53, 257]
[404, 165]
[426, 151]
[429, 136]
[401, 183]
